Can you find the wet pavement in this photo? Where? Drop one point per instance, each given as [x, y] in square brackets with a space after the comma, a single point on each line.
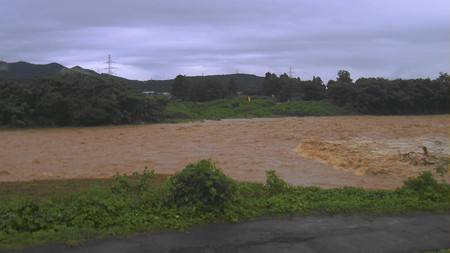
[311, 233]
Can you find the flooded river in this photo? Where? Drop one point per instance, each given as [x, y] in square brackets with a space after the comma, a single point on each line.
[367, 151]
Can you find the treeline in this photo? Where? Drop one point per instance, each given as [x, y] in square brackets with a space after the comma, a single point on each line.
[206, 89]
[399, 96]
[377, 96]
[285, 88]
[243, 81]
[366, 95]
[75, 99]
[79, 99]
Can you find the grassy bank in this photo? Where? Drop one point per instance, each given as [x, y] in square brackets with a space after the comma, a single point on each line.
[87, 208]
[256, 108]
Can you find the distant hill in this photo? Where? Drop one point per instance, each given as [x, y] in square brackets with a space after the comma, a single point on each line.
[25, 70]
[79, 69]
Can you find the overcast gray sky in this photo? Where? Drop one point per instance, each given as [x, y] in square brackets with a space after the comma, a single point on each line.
[161, 39]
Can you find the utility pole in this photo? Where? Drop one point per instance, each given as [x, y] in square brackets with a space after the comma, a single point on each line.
[110, 67]
[290, 72]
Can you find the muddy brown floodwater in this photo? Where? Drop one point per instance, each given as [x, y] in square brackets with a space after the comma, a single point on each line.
[367, 151]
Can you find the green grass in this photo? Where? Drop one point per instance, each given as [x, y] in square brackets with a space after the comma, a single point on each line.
[47, 188]
[81, 209]
[258, 107]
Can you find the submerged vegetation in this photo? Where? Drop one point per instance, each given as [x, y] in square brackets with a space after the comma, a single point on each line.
[200, 194]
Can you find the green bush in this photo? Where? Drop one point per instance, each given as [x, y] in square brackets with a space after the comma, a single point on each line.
[442, 169]
[27, 216]
[202, 186]
[199, 194]
[274, 184]
[426, 186]
[122, 184]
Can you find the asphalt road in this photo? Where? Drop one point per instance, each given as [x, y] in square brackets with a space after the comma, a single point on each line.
[312, 233]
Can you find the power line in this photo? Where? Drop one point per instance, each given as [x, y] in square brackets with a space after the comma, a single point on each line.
[110, 67]
[290, 72]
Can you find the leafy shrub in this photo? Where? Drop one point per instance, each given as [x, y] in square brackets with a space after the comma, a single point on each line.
[26, 217]
[122, 184]
[202, 186]
[426, 186]
[274, 184]
[199, 194]
[442, 169]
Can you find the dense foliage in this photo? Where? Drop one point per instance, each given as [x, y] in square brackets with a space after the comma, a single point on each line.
[274, 184]
[366, 95]
[285, 88]
[382, 96]
[75, 99]
[244, 82]
[141, 203]
[377, 96]
[202, 186]
[206, 89]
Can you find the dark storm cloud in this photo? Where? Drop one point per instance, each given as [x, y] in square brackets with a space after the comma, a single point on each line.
[160, 39]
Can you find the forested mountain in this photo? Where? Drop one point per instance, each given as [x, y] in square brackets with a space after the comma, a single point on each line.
[24, 70]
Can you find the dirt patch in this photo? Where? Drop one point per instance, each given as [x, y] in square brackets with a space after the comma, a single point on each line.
[323, 151]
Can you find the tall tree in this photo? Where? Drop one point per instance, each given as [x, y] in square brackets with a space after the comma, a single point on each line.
[443, 78]
[209, 88]
[271, 85]
[232, 88]
[181, 87]
[313, 90]
[344, 76]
